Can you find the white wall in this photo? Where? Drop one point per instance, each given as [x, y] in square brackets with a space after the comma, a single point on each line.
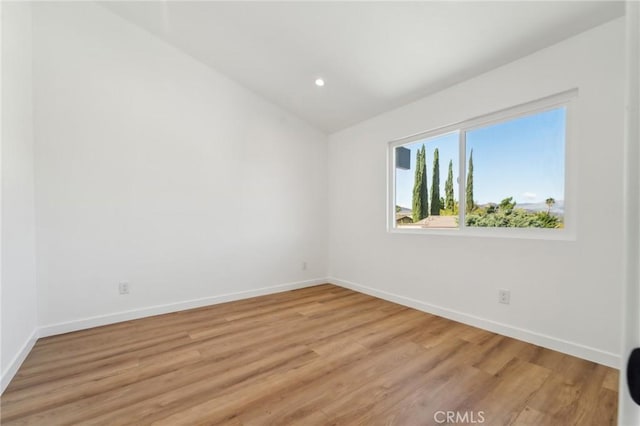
[564, 294]
[152, 168]
[19, 302]
[629, 411]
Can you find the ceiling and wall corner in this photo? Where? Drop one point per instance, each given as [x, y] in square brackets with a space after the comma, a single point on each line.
[374, 56]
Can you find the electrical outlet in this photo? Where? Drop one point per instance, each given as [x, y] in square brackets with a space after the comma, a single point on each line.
[123, 288]
[504, 296]
[304, 266]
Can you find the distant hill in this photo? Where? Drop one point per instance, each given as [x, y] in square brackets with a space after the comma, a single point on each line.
[557, 208]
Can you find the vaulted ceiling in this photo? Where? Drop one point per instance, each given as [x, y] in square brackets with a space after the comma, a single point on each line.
[374, 56]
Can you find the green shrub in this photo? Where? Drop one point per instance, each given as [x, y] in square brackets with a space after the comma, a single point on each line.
[505, 215]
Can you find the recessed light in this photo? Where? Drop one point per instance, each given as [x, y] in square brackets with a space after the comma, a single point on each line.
[319, 82]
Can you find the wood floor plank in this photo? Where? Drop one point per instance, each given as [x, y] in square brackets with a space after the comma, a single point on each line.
[530, 417]
[605, 412]
[502, 403]
[611, 380]
[71, 369]
[300, 403]
[426, 404]
[315, 356]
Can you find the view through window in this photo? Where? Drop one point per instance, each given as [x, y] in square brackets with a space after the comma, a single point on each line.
[512, 175]
[427, 192]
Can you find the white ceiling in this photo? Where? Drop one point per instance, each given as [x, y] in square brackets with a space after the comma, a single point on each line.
[374, 56]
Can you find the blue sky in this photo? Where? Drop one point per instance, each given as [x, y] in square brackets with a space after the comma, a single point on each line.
[521, 158]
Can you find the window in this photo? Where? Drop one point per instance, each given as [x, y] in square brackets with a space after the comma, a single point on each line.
[503, 170]
[426, 193]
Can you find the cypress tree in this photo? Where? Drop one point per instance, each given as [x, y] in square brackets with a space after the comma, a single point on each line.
[469, 205]
[424, 212]
[435, 185]
[448, 189]
[416, 202]
[420, 208]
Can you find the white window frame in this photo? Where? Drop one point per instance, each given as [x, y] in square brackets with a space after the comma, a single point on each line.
[565, 99]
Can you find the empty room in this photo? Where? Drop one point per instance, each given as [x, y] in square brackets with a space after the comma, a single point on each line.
[320, 213]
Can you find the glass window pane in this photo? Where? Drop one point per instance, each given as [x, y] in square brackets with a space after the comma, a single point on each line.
[515, 172]
[427, 186]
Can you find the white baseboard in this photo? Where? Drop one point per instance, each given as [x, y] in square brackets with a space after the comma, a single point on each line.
[17, 360]
[571, 348]
[550, 342]
[96, 321]
[100, 320]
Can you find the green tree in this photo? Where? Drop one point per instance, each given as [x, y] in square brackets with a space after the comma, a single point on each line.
[448, 189]
[550, 202]
[435, 185]
[507, 205]
[470, 204]
[506, 215]
[420, 203]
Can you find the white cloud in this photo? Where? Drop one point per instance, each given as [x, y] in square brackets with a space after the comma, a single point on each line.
[529, 196]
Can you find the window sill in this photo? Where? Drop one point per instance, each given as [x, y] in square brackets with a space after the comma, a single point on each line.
[509, 233]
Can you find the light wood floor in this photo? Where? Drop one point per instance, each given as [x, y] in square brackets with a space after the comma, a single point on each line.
[317, 356]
